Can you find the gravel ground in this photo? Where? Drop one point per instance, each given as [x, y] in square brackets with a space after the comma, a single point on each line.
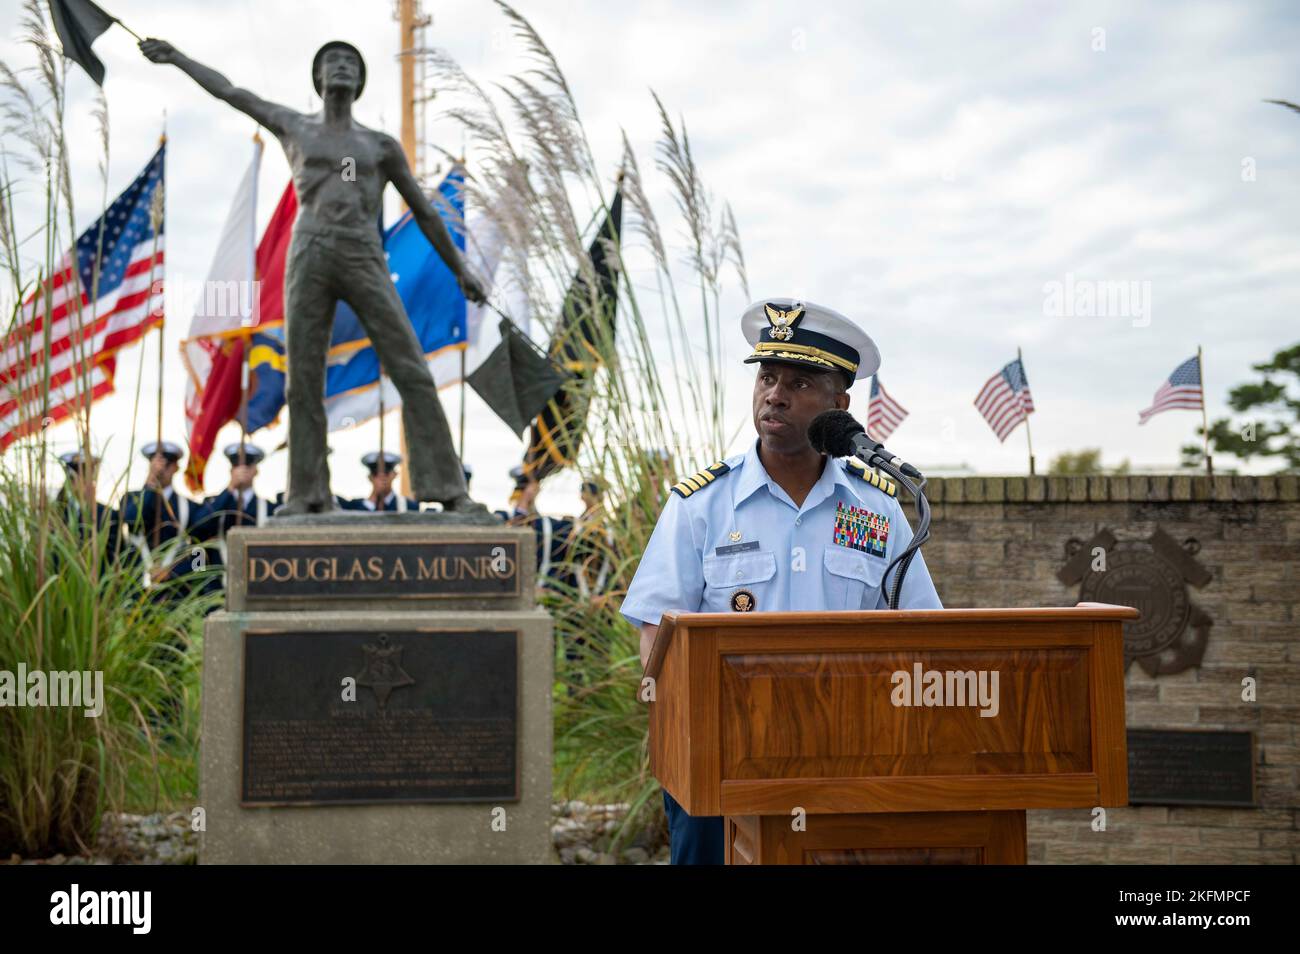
[155, 839]
[581, 834]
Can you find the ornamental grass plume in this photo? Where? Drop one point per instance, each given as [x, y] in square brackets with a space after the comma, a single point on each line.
[74, 608]
[653, 406]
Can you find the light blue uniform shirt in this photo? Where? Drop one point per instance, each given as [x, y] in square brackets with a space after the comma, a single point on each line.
[797, 564]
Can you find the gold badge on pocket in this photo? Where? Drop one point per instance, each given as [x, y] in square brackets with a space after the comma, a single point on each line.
[742, 601]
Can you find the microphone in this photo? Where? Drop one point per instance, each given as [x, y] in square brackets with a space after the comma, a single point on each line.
[837, 433]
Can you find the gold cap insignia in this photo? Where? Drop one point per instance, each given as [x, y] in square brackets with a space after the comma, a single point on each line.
[782, 321]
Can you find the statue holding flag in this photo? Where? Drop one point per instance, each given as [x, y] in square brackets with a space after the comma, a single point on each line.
[340, 169]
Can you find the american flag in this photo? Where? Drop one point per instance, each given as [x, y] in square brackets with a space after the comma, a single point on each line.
[884, 414]
[1005, 400]
[84, 335]
[1181, 391]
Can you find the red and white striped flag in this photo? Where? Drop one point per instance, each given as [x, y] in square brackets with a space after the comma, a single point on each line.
[884, 414]
[117, 260]
[1181, 391]
[1005, 400]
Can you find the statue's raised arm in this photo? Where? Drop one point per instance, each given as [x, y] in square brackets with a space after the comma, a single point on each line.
[271, 115]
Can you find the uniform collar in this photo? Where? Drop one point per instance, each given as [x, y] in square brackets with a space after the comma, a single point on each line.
[753, 476]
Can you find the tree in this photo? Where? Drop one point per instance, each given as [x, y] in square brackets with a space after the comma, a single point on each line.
[1273, 429]
[1080, 463]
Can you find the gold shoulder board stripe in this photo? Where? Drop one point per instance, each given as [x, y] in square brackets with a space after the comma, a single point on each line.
[689, 485]
[862, 472]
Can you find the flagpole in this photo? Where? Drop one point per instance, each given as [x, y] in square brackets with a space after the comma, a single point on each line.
[382, 409]
[408, 16]
[244, 375]
[157, 222]
[246, 358]
[1020, 359]
[137, 36]
[461, 452]
[1205, 424]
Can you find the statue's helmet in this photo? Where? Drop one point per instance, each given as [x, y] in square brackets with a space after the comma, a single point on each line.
[337, 45]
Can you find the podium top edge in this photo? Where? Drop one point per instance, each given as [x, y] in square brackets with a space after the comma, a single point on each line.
[1015, 614]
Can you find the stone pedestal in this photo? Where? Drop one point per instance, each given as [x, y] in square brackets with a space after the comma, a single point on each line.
[377, 691]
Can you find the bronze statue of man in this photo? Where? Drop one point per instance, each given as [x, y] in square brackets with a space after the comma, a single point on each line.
[339, 170]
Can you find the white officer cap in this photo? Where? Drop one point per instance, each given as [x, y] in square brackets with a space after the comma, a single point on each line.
[169, 450]
[810, 335]
[253, 455]
[371, 461]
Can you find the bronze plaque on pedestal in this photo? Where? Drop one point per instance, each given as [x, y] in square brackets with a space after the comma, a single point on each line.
[287, 568]
[366, 717]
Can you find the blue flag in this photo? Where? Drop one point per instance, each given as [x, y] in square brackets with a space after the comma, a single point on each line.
[266, 365]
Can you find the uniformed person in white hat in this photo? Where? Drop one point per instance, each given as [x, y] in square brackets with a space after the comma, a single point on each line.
[81, 473]
[522, 497]
[382, 468]
[779, 527]
[239, 505]
[157, 518]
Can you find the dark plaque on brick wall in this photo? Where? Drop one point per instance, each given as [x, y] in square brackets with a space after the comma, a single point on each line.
[1191, 767]
[401, 716]
[400, 570]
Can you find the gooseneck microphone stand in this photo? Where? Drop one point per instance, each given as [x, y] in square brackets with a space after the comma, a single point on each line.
[836, 433]
[904, 559]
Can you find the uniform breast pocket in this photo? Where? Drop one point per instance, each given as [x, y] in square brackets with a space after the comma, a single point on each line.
[724, 576]
[850, 577]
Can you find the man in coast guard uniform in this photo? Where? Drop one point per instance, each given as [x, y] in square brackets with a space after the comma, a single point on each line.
[238, 505]
[157, 515]
[81, 472]
[779, 527]
[383, 468]
[552, 533]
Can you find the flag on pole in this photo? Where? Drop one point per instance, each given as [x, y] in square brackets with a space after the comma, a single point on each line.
[268, 371]
[78, 23]
[884, 414]
[586, 321]
[516, 380]
[1180, 391]
[1005, 400]
[216, 360]
[226, 304]
[485, 250]
[106, 294]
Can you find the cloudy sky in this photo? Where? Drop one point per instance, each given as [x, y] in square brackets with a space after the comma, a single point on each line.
[928, 169]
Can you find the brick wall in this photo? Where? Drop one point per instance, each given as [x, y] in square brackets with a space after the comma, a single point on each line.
[999, 541]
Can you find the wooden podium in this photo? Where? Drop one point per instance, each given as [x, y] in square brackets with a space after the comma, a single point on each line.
[796, 728]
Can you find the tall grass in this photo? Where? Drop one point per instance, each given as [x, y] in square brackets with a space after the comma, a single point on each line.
[71, 600]
[84, 610]
[654, 410]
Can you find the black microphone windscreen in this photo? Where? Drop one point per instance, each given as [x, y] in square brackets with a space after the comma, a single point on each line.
[831, 432]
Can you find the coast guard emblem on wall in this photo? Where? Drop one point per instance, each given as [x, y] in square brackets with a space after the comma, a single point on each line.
[1151, 576]
[383, 670]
